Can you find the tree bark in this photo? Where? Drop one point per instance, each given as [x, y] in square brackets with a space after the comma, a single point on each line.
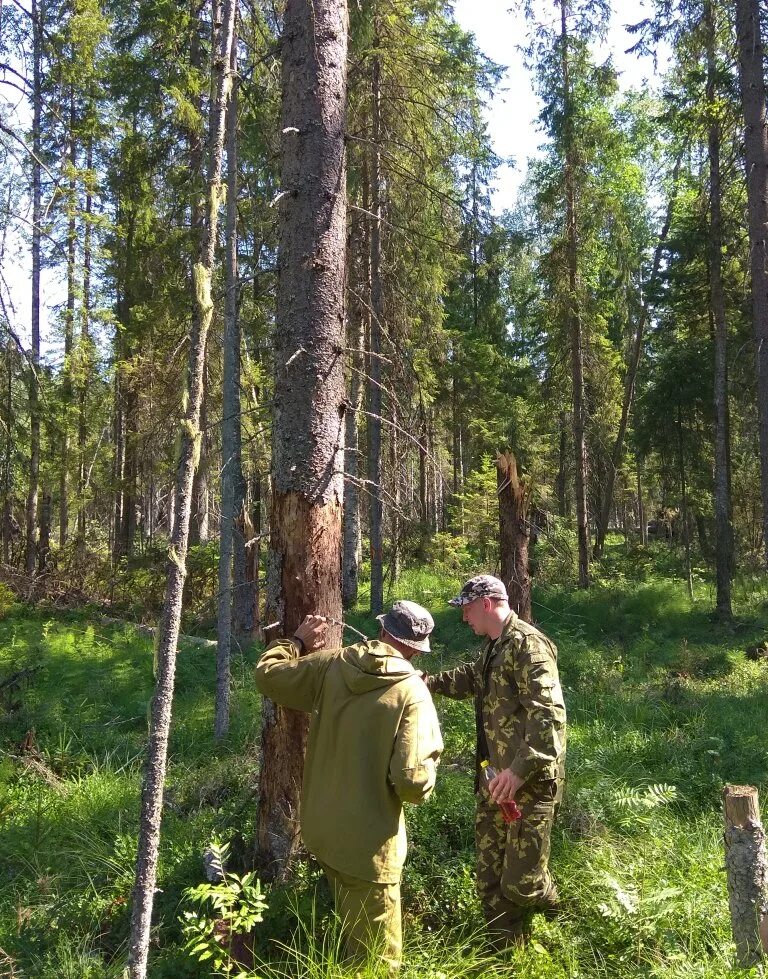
[722, 494]
[753, 95]
[352, 528]
[684, 503]
[85, 360]
[231, 468]
[574, 314]
[34, 353]
[514, 533]
[190, 437]
[69, 328]
[8, 461]
[746, 866]
[304, 564]
[375, 519]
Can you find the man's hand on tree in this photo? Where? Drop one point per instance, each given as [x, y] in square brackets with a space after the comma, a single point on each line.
[504, 786]
[312, 632]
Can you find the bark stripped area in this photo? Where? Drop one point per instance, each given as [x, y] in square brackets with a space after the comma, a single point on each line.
[304, 562]
[302, 567]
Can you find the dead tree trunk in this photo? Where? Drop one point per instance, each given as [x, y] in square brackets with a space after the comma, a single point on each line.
[514, 533]
[190, 438]
[751, 66]
[746, 865]
[304, 564]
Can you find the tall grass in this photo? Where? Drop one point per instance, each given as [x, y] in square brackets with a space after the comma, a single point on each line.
[660, 698]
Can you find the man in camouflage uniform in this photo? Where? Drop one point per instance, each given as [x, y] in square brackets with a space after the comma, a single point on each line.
[520, 719]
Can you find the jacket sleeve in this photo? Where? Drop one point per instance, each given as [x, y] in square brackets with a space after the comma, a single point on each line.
[418, 743]
[534, 666]
[288, 679]
[457, 684]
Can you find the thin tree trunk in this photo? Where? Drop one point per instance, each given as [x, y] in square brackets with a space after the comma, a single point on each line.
[458, 451]
[514, 533]
[44, 550]
[352, 528]
[561, 483]
[631, 375]
[641, 517]
[304, 564]
[423, 494]
[375, 520]
[684, 503]
[753, 96]
[85, 361]
[231, 471]
[34, 353]
[574, 315]
[722, 501]
[394, 467]
[8, 461]
[69, 329]
[190, 437]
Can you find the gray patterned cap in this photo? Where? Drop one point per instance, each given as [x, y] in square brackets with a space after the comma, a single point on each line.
[481, 586]
[410, 623]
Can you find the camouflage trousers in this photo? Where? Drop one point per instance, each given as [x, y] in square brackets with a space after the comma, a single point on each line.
[513, 878]
[371, 921]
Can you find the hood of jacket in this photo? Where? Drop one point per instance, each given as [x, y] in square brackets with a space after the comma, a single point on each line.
[371, 665]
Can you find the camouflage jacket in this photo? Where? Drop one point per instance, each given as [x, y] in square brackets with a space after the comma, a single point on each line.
[520, 701]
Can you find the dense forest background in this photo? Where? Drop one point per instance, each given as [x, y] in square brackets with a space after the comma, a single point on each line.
[602, 329]
[300, 364]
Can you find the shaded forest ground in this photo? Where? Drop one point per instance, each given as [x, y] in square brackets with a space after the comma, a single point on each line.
[664, 709]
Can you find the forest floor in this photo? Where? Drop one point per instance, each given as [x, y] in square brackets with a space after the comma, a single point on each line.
[664, 709]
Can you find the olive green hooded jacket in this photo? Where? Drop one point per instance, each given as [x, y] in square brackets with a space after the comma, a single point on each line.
[374, 743]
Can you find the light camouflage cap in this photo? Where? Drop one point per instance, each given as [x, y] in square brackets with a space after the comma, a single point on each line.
[410, 623]
[481, 586]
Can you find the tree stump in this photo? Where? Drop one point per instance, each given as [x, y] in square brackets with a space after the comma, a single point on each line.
[747, 868]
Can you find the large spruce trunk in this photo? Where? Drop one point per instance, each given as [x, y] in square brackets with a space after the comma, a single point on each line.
[304, 563]
[751, 65]
[190, 438]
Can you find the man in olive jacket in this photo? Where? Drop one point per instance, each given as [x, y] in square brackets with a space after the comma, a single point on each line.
[374, 743]
[520, 723]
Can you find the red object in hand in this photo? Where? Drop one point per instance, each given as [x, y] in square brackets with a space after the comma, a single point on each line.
[509, 809]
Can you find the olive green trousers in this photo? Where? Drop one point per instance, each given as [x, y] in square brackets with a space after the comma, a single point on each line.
[370, 915]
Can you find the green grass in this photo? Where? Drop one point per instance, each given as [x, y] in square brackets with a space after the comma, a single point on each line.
[657, 694]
